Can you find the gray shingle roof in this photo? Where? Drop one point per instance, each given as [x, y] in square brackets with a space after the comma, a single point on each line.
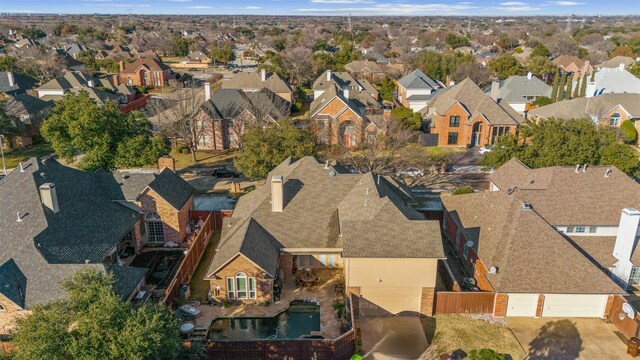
[92, 219]
[585, 108]
[230, 103]
[74, 80]
[515, 88]
[21, 83]
[418, 80]
[24, 104]
[315, 203]
[13, 283]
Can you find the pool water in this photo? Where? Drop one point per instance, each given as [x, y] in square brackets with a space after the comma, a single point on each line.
[300, 319]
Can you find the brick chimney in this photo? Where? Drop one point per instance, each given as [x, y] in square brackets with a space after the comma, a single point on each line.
[116, 80]
[49, 197]
[277, 193]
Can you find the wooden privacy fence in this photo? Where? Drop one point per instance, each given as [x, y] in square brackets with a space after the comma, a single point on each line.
[135, 104]
[449, 302]
[627, 326]
[341, 348]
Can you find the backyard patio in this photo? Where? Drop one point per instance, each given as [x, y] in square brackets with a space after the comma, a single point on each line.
[323, 292]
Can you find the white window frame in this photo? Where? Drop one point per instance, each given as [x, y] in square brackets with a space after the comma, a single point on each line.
[231, 286]
[155, 228]
[634, 276]
[251, 283]
[615, 119]
[235, 290]
[593, 229]
[580, 229]
[242, 294]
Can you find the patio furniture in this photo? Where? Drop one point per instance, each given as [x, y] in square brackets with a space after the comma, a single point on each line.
[189, 311]
[307, 277]
[187, 328]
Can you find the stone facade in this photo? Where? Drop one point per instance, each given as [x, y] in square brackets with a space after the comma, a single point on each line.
[427, 301]
[175, 221]
[500, 305]
[264, 285]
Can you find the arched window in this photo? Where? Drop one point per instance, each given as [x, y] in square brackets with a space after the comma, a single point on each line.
[241, 287]
[615, 119]
[155, 230]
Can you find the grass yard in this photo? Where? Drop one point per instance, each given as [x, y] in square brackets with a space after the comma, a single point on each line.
[205, 158]
[454, 332]
[14, 156]
[199, 287]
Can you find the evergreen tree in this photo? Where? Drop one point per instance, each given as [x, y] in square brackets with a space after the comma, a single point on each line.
[567, 94]
[563, 82]
[583, 85]
[576, 91]
[593, 75]
[554, 90]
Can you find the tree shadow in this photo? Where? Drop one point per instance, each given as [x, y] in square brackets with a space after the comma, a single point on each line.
[556, 340]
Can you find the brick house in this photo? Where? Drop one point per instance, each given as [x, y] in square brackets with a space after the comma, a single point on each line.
[574, 65]
[345, 111]
[606, 109]
[56, 220]
[365, 69]
[225, 115]
[283, 228]
[526, 241]
[416, 89]
[255, 82]
[463, 115]
[149, 72]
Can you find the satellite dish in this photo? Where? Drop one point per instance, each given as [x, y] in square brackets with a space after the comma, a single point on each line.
[629, 310]
[469, 243]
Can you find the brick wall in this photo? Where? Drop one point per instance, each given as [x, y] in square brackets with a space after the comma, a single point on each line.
[426, 302]
[264, 286]
[174, 221]
[442, 127]
[540, 305]
[500, 305]
[334, 110]
[217, 134]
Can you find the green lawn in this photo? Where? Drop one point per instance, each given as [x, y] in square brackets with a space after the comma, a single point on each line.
[200, 287]
[14, 156]
[205, 158]
[454, 332]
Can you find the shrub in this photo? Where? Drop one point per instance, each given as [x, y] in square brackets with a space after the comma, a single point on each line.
[628, 132]
[518, 50]
[542, 101]
[485, 354]
[463, 190]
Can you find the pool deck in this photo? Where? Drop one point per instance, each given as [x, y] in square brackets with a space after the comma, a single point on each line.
[324, 293]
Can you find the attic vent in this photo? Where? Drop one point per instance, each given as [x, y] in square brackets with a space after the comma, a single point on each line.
[527, 207]
[493, 270]
[577, 168]
[125, 176]
[510, 191]
[607, 173]
[19, 216]
[332, 173]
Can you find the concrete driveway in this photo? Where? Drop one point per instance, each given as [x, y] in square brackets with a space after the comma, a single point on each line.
[568, 338]
[393, 337]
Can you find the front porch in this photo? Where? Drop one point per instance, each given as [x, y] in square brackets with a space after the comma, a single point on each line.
[329, 289]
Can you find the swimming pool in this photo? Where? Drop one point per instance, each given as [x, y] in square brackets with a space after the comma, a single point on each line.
[300, 319]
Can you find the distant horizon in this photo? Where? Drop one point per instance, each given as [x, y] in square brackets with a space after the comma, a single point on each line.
[357, 8]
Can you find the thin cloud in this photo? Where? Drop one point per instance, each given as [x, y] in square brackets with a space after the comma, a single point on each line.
[514, 3]
[342, 1]
[199, 7]
[252, 7]
[394, 9]
[565, 3]
[180, 0]
[516, 8]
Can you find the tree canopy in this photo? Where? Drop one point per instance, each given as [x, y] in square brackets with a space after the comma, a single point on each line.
[264, 148]
[565, 142]
[104, 136]
[223, 54]
[409, 118]
[440, 65]
[94, 323]
[506, 65]
[628, 132]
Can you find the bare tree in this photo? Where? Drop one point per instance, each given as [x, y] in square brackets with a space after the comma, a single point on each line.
[175, 115]
[44, 65]
[298, 62]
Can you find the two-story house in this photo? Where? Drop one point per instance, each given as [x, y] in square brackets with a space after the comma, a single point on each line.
[416, 89]
[311, 215]
[549, 242]
[55, 220]
[148, 71]
[519, 91]
[463, 115]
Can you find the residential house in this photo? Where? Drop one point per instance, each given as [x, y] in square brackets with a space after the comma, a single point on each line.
[318, 216]
[74, 81]
[613, 81]
[56, 220]
[377, 57]
[255, 82]
[24, 43]
[574, 65]
[616, 61]
[519, 91]
[416, 89]
[196, 57]
[366, 69]
[12, 83]
[31, 111]
[605, 109]
[549, 242]
[225, 115]
[149, 72]
[463, 115]
[74, 49]
[345, 111]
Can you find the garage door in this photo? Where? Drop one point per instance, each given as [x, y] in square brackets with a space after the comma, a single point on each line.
[522, 304]
[394, 300]
[574, 305]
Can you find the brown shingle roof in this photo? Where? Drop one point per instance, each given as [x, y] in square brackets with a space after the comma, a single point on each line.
[253, 81]
[586, 108]
[530, 255]
[476, 102]
[150, 63]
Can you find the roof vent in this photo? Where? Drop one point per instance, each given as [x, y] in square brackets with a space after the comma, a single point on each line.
[125, 176]
[584, 168]
[469, 244]
[326, 164]
[510, 191]
[332, 173]
[19, 216]
[493, 270]
[527, 207]
[21, 167]
[87, 261]
[577, 168]
[607, 173]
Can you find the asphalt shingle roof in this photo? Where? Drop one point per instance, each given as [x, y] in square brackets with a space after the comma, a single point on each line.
[585, 108]
[253, 81]
[315, 203]
[230, 103]
[20, 83]
[515, 88]
[418, 80]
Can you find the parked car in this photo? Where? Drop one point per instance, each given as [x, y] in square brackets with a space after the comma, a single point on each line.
[224, 173]
[411, 172]
[483, 150]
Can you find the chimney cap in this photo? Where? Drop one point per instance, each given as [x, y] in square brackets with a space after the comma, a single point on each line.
[277, 178]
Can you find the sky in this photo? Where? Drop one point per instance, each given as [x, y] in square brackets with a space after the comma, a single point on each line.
[327, 7]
